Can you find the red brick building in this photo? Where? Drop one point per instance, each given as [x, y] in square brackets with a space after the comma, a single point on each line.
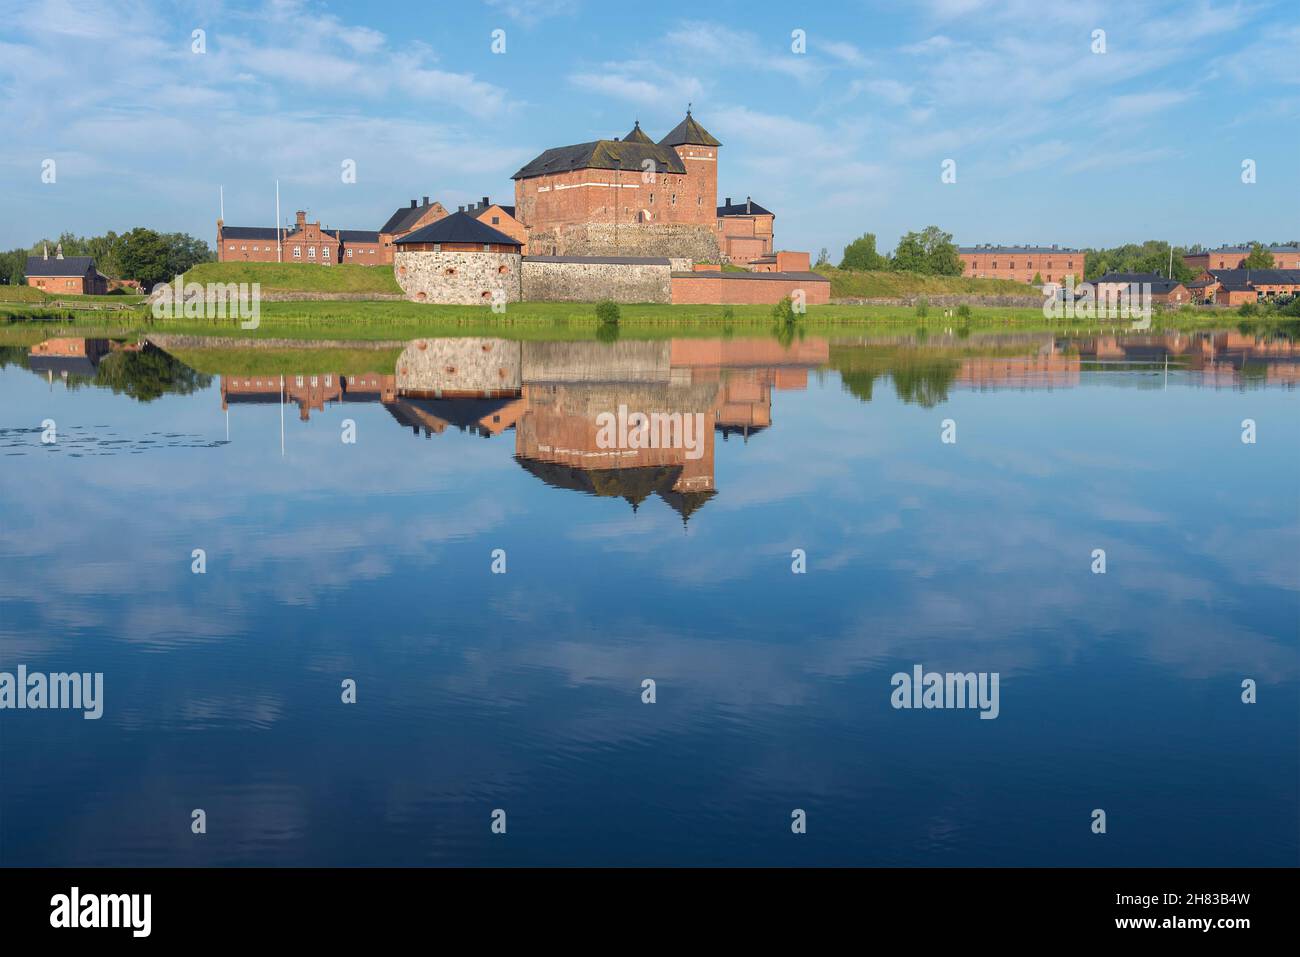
[1234, 257]
[632, 180]
[73, 276]
[1234, 287]
[1022, 263]
[499, 217]
[406, 220]
[745, 231]
[305, 243]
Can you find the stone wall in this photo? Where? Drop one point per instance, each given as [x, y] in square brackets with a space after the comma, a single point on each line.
[460, 365]
[623, 361]
[561, 280]
[683, 240]
[469, 278]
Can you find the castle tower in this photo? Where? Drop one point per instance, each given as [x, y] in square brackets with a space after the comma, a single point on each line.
[697, 200]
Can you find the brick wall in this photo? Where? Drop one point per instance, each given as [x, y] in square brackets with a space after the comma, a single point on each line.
[1053, 265]
[747, 288]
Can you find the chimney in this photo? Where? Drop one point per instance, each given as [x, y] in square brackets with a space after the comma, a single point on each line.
[58, 251]
[486, 204]
[413, 204]
[460, 209]
[426, 201]
[749, 206]
[728, 201]
[302, 218]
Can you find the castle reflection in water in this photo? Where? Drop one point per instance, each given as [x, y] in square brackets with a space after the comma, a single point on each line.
[551, 393]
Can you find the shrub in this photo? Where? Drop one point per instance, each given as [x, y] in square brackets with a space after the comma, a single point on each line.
[607, 313]
[963, 311]
[922, 307]
[1247, 309]
[783, 312]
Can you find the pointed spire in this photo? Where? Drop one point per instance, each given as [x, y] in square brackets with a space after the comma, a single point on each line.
[637, 135]
[58, 253]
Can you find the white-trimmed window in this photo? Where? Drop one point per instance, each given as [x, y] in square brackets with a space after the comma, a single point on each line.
[297, 252]
[349, 254]
[311, 252]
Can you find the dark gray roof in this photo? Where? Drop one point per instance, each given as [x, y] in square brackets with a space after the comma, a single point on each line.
[603, 260]
[1244, 250]
[458, 228]
[72, 365]
[688, 133]
[1268, 277]
[508, 209]
[248, 232]
[603, 154]
[1162, 286]
[637, 135]
[68, 266]
[801, 276]
[740, 209]
[404, 218]
[1017, 250]
[358, 235]
[1151, 277]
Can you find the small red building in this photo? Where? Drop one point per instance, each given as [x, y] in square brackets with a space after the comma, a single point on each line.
[71, 276]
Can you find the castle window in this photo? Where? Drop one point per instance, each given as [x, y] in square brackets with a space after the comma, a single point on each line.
[673, 201]
[297, 252]
[243, 249]
[496, 220]
[311, 252]
[349, 254]
[652, 199]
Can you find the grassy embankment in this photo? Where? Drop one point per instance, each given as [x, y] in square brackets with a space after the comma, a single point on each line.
[897, 285]
[372, 320]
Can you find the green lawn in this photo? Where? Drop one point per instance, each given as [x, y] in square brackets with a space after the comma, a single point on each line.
[300, 277]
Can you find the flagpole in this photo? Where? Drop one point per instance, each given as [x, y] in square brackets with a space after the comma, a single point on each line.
[277, 222]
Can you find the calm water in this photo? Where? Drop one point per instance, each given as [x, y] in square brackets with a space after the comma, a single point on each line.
[523, 691]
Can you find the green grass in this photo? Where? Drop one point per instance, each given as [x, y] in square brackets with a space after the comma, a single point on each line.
[399, 320]
[22, 294]
[244, 361]
[300, 277]
[847, 284]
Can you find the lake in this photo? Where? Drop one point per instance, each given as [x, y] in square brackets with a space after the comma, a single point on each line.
[451, 539]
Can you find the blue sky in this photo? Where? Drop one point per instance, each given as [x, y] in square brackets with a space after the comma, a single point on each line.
[1053, 143]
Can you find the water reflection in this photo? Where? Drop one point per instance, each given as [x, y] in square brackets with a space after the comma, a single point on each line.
[523, 690]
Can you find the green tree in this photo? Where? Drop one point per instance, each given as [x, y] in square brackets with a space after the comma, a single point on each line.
[860, 255]
[1259, 258]
[930, 252]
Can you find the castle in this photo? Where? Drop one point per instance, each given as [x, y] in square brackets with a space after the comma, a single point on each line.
[629, 196]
